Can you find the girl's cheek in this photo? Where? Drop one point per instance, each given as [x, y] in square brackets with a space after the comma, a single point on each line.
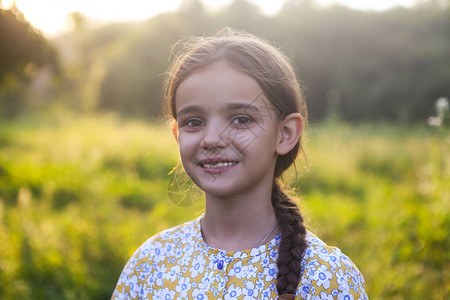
[241, 139]
[186, 143]
[183, 138]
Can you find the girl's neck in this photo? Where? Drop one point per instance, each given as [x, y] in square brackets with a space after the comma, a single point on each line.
[238, 222]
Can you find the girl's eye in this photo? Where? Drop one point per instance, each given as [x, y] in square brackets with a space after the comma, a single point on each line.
[242, 120]
[194, 123]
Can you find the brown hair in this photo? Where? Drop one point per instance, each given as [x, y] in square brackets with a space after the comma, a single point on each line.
[274, 74]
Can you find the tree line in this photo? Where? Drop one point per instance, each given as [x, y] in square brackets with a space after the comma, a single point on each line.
[354, 65]
[23, 51]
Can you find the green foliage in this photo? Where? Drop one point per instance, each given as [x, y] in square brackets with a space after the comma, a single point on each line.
[23, 50]
[355, 65]
[76, 197]
[382, 194]
[383, 65]
[79, 194]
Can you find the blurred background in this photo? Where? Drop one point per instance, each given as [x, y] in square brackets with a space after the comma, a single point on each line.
[88, 164]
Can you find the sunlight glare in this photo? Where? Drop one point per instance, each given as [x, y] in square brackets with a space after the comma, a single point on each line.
[7, 3]
[50, 16]
[370, 5]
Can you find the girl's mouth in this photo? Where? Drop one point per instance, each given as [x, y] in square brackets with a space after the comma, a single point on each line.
[217, 167]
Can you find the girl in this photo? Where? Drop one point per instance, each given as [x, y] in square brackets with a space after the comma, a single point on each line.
[239, 114]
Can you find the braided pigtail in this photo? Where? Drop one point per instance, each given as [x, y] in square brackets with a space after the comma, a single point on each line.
[292, 245]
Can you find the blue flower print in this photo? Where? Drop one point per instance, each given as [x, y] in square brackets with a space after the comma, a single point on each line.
[342, 281]
[156, 252]
[265, 262]
[270, 272]
[236, 269]
[170, 295]
[163, 294]
[326, 296]
[206, 281]
[345, 296]
[183, 286]
[250, 295]
[260, 284]
[169, 248]
[233, 292]
[304, 291]
[255, 259]
[250, 292]
[133, 286]
[143, 253]
[198, 294]
[198, 266]
[160, 274]
[249, 271]
[323, 276]
[312, 263]
[143, 273]
[334, 262]
[266, 293]
[173, 274]
[309, 253]
[177, 264]
[185, 260]
[274, 254]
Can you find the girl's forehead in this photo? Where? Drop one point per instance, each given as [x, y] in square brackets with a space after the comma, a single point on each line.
[219, 73]
[218, 84]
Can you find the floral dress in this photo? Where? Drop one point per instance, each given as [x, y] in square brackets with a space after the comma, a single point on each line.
[178, 264]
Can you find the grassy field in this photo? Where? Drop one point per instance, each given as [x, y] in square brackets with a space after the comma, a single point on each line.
[79, 194]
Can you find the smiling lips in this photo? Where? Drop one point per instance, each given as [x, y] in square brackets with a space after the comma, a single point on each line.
[216, 165]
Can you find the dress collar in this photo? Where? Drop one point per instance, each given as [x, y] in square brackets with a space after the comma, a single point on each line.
[239, 254]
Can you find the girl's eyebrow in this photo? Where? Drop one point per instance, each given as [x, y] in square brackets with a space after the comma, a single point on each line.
[246, 107]
[189, 109]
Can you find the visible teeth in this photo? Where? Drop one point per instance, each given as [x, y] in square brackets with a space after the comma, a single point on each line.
[218, 165]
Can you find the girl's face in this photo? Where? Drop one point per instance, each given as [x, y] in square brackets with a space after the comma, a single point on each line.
[227, 130]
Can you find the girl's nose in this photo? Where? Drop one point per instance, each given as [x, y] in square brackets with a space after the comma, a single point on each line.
[214, 137]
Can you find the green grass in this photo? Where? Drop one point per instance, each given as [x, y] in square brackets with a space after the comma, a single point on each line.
[79, 194]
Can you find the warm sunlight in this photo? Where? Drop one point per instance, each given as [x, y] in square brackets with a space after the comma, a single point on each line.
[372, 5]
[50, 16]
[150, 149]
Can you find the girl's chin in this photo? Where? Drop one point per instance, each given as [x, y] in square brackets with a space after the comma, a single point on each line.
[217, 190]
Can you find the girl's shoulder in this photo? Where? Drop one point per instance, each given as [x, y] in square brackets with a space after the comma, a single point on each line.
[163, 246]
[319, 251]
[180, 233]
[329, 272]
[185, 233]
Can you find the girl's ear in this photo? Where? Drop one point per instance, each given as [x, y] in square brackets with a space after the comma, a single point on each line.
[289, 133]
[175, 130]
